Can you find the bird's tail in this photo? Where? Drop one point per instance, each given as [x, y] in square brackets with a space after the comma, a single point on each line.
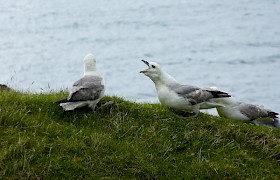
[68, 106]
[272, 114]
[218, 94]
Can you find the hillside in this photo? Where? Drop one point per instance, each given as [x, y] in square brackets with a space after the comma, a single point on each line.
[128, 140]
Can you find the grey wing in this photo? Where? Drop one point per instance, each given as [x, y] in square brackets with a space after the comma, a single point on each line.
[87, 88]
[253, 111]
[194, 94]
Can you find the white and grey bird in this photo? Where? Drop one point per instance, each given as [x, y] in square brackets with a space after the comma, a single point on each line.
[181, 98]
[88, 90]
[237, 110]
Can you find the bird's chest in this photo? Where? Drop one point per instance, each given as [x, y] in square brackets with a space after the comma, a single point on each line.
[170, 98]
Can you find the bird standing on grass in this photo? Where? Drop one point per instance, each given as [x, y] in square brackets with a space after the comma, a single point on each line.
[181, 98]
[88, 90]
[257, 114]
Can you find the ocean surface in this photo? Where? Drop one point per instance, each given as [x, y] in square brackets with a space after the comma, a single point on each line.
[233, 45]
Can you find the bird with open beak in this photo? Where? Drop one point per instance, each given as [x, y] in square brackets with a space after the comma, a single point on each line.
[181, 98]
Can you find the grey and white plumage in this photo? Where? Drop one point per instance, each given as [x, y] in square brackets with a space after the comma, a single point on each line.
[234, 109]
[88, 90]
[181, 98]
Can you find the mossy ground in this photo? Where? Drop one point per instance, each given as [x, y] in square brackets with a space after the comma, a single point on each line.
[128, 140]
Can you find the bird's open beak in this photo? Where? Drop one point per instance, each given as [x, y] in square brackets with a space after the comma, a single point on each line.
[144, 71]
[147, 63]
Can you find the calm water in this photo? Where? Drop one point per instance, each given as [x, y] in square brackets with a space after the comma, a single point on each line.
[233, 45]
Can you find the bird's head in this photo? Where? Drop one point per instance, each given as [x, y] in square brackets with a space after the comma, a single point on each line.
[89, 59]
[154, 70]
[90, 63]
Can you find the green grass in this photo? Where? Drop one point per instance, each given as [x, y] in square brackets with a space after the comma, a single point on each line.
[128, 140]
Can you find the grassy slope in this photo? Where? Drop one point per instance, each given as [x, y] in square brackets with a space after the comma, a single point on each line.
[128, 140]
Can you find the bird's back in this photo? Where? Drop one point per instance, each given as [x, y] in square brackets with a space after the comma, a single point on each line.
[90, 87]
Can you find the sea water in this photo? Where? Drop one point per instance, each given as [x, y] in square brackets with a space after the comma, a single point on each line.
[232, 45]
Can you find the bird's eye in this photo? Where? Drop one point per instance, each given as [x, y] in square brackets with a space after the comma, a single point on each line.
[153, 66]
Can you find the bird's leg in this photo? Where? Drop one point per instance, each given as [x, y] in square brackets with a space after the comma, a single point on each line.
[107, 103]
[93, 108]
[195, 112]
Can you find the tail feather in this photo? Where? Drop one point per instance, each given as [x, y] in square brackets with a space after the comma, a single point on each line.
[272, 114]
[219, 94]
[68, 106]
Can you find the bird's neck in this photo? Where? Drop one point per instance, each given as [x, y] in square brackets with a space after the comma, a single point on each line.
[92, 73]
[165, 80]
[90, 69]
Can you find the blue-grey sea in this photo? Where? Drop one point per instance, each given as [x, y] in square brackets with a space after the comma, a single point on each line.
[233, 45]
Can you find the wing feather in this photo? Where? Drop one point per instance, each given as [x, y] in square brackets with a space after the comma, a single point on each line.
[193, 94]
[87, 88]
[253, 111]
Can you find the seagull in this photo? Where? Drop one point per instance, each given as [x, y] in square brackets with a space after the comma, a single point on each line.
[181, 98]
[88, 90]
[237, 110]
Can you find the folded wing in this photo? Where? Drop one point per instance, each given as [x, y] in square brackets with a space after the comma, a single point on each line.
[86, 89]
[197, 95]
